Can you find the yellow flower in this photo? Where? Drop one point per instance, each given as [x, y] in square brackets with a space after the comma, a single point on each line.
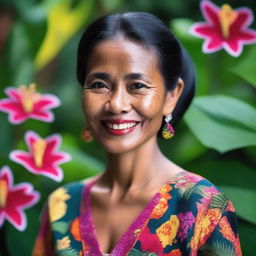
[160, 209]
[63, 22]
[57, 204]
[63, 243]
[168, 230]
[204, 226]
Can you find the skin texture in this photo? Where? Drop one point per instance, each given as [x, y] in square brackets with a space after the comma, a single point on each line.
[136, 168]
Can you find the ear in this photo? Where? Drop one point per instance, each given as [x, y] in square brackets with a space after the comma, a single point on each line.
[172, 98]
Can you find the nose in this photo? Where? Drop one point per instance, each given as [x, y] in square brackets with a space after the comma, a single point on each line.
[119, 102]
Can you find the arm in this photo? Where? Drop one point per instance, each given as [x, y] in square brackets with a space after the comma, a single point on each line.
[224, 239]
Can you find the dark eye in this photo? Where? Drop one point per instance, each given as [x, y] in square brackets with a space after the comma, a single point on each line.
[138, 85]
[96, 85]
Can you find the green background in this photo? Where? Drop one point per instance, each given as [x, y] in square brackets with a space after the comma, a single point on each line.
[216, 138]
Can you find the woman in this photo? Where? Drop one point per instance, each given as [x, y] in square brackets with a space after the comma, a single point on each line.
[135, 78]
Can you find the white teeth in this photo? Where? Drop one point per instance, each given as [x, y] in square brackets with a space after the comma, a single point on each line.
[120, 126]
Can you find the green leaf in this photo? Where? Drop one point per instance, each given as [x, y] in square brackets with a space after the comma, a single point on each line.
[13, 236]
[193, 45]
[247, 234]
[183, 148]
[244, 201]
[68, 252]
[222, 123]
[219, 200]
[82, 165]
[110, 5]
[135, 252]
[181, 27]
[60, 226]
[218, 247]
[246, 67]
[225, 173]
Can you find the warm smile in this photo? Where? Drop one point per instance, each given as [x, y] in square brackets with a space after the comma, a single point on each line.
[119, 127]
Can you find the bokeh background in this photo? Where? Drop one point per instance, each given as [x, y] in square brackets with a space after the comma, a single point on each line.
[217, 138]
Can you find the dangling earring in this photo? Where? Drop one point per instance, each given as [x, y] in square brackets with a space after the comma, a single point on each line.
[168, 131]
[86, 135]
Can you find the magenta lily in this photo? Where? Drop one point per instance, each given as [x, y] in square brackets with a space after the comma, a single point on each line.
[42, 157]
[25, 102]
[225, 28]
[15, 199]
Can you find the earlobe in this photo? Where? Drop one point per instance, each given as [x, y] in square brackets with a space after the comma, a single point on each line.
[172, 97]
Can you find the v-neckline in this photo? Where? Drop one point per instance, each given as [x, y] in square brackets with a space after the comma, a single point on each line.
[128, 239]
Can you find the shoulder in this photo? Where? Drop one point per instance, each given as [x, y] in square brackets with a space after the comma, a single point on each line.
[72, 189]
[192, 182]
[64, 202]
[193, 191]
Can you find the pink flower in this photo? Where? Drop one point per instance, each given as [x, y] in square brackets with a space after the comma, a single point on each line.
[209, 192]
[149, 241]
[42, 157]
[186, 221]
[224, 28]
[15, 199]
[25, 102]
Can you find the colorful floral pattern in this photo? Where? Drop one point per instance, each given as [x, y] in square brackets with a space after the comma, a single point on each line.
[224, 28]
[14, 199]
[198, 219]
[24, 103]
[43, 157]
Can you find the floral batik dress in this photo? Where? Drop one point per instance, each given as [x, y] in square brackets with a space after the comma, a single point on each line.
[187, 216]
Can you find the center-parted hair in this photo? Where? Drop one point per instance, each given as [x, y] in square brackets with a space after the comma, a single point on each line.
[148, 30]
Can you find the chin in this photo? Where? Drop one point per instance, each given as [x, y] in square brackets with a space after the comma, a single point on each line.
[126, 145]
[118, 148]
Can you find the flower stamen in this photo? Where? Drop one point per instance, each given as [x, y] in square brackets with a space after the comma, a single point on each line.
[29, 97]
[3, 193]
[39, 147]
[227, 16]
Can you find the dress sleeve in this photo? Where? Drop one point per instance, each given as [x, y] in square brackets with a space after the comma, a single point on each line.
[224, 239]
[44, 243]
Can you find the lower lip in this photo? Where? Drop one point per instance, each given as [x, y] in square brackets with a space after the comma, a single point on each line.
[121, 131]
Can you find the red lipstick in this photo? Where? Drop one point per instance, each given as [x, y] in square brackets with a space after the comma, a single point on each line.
[119, 127]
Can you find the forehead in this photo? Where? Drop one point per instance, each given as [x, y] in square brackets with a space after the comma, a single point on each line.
[123, 55]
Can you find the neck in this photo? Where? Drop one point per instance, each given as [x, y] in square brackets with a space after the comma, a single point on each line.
[136, 169]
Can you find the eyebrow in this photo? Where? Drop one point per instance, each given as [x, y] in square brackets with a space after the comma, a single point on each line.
[100, 75]
[106, 76]
[135, 76]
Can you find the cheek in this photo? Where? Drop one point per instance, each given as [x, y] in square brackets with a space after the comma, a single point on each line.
[151, 106]
[90, 106]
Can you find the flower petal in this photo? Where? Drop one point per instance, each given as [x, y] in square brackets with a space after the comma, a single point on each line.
[6, 174]
[233, 48]
[17, 218]
[15, 111]
[41, 109]
[19, 198]
[244, 19]
[212, 45]
[12, 93]
[51, 157]
[210, 12]
[211, 31]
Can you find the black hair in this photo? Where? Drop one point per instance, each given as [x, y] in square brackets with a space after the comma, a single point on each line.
[148, 30]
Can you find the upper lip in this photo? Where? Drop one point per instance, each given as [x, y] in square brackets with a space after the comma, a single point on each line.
[119, 121]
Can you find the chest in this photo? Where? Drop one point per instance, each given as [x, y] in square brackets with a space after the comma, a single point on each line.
[113, 220]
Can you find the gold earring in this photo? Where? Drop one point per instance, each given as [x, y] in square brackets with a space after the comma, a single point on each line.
[86, 135]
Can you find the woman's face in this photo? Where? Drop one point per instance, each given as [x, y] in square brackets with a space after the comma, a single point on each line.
[124, 97]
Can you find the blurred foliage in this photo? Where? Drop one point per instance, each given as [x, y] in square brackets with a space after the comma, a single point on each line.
[38, 43]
